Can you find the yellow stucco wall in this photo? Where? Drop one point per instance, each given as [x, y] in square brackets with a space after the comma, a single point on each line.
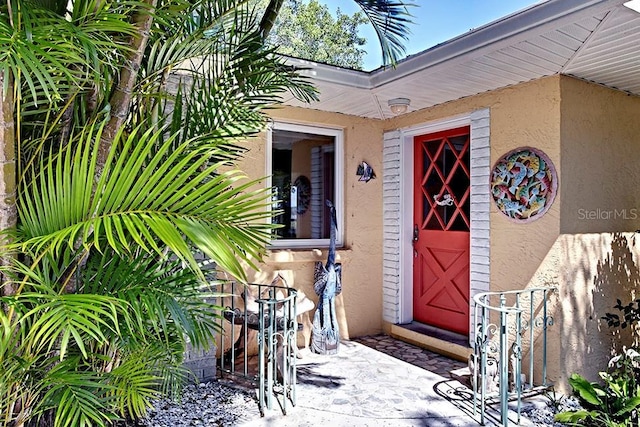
[598, 251]
[524, 115]
[582, 244]
[585, 243]
[359, 307]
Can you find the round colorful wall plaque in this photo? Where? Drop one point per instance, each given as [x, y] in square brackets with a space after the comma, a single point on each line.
[524, 184]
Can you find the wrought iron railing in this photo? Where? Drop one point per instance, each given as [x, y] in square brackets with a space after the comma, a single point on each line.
[277, 348]
[510, 326]
[267, 319]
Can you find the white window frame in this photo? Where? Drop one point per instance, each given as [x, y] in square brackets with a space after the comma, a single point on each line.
[338, 135]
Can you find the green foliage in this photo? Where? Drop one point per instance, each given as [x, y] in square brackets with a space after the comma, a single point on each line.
[616, 401]
[389, 19]
[119, 182]
[613, 403]
[308, 30]
[102, 291]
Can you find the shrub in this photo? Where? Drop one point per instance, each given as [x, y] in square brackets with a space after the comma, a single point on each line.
[616, 401]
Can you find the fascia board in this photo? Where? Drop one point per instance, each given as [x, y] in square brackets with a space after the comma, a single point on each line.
[503, 32]
[495, 35]
[332, 74]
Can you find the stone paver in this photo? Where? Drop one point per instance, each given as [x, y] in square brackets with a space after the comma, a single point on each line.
[409, 353]
[375, 381]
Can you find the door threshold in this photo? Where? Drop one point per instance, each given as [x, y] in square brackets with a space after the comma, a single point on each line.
[450, 344]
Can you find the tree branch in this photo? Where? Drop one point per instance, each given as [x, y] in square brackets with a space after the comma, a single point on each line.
[8, 212]
[269, 18]
[121, 98]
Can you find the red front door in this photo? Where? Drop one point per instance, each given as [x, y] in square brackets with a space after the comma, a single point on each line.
[441, 230]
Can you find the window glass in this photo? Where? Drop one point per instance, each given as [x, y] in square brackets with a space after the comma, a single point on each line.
[304, 169]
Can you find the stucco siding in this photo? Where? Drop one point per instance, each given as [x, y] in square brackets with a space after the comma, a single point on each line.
[589, 133]
[359, 306]
[598, 252]
[507, 255]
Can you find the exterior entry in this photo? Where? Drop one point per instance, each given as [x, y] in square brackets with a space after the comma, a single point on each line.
[441, 215]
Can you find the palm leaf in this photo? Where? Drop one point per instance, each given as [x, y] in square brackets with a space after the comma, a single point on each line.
[78, 396]
[156, 196]
[230, 77]
[68, 318]
[35, 53]
[389, 19]
[135, 385]
[161, 292]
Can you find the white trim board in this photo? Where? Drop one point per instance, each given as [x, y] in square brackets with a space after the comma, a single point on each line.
[338, 135]
[397, 184]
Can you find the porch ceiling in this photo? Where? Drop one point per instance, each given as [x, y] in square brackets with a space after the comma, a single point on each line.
[594, 40]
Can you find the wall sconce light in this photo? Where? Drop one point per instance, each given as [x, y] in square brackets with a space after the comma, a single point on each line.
[399, 105]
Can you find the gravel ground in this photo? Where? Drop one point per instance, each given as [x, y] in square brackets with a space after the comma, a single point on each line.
[542, 415]
[217, 404]
[205, 404]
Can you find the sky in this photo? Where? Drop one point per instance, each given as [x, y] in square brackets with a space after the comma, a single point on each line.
[435, 21]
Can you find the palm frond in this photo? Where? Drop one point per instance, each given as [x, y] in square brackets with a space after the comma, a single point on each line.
[150, 195]
[36, 55]
[12, 388]
[389, 19]
[226, 76]
[134, 384]
[78, 396]
[68, 319]
[162, 293]
[29, 58]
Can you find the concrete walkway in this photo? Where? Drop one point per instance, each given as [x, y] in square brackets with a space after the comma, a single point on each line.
[365, 385]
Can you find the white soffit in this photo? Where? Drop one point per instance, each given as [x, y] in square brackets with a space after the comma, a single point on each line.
[595, 40]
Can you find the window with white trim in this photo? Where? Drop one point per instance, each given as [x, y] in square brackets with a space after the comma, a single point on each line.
[305, 167]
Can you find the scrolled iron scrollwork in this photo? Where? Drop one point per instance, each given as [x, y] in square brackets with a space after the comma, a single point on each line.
[484, 343]
[501, 349]
[543, 321]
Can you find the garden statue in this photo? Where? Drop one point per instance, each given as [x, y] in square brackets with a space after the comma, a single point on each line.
[325, 334]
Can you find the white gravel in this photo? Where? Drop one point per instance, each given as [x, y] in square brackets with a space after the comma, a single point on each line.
[542, 412]
[206, 404]
[218, 404]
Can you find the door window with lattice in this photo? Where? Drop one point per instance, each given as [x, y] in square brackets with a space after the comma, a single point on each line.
[445, 182]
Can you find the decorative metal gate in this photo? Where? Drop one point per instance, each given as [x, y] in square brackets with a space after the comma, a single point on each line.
[267, 320]
[507, 326]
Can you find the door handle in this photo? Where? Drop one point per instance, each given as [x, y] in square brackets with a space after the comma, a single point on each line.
[415, 232]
